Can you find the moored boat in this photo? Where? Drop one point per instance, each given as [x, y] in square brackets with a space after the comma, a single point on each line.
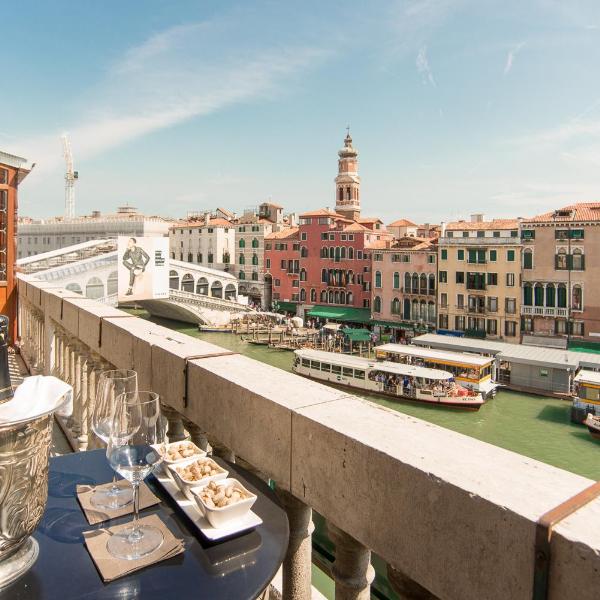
[593, 425]
[401, 381]
[586, 398]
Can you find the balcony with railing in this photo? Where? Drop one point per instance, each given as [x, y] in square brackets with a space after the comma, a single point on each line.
[453, 517]
[543, 311]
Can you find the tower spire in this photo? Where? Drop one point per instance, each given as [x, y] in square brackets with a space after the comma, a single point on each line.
[347, 182]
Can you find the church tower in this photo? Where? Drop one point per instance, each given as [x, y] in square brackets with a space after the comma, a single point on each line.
[347, 182]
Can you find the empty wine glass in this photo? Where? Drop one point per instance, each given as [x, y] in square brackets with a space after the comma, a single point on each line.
[135, 448]
[111, 385]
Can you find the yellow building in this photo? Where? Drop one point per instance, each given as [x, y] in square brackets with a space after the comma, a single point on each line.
[478, 278]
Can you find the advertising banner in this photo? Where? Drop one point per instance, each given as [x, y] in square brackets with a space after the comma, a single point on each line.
[143, 268]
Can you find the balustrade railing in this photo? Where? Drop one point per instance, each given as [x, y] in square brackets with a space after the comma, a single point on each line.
[453, 517]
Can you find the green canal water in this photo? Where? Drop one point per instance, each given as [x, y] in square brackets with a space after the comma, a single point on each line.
[534, 426]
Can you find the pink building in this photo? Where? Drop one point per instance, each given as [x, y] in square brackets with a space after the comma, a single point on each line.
[282, 267]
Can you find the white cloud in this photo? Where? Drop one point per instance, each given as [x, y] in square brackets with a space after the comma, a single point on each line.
[423, 67]
[510, 57]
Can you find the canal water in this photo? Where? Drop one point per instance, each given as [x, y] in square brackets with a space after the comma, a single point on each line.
[534, 426]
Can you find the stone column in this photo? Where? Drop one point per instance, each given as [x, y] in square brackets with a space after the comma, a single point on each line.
[77, 389]
[352, 569]
[219, 449]
[297, 564]
[84, 401]
[197, 435]
[407, 588]
[175, 432]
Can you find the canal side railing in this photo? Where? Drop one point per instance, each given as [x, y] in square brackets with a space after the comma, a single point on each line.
[454, 518]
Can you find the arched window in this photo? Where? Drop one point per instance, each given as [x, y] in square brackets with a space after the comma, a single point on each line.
[377, 304]
[254, 243]
[254, 276]
[341, 194]
[561, 259]
[348, 196]
[303, 252]
[216, 289]
[242, 243]
[202, 286]
[174, 280]
[323, 296]
[112, 284]
[550, 295]
[351, 252]
[187, 283]
[302, 274]
[302, 295]
[242, 260]
[349, 298]
[350, 276]
[406, 309]
[378, 281]
[342, 297]
[577, 258]
[561, 296]
[527, 295]
[313, 295]
[415, 283]
[324, 252]
[414, 312]
[431, 312]
[528, 259]
[74, 287]
[330, 297]
[337, 253]
[422, 310]
[577, 298]
[324, 276]
[242, 275]
[431, 286]
[396, 280]
[423, 286]
[336, 297]
[407, 286]
[94, 288]
[255, 259]
[343, 252]
[538, 294]
[395, 306]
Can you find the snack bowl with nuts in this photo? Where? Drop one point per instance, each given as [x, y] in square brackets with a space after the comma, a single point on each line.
[178, 452]
[223, 501]
[195, 472]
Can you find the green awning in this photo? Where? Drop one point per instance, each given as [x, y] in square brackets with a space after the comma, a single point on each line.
[287, 306]
[341, 313]
[394, 324]
[357, 335]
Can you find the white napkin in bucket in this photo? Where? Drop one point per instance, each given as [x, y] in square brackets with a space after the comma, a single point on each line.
[36, 396]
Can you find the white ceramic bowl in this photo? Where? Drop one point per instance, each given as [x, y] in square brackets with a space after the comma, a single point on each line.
[185, 485]
[198, 453]
[221, 517]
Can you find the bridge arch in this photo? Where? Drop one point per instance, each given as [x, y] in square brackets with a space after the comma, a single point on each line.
[187, 283]
[94, 288]
[216, 289]
[173, 280]
[202, 286]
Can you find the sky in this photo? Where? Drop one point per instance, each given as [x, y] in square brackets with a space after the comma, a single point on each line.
[455, 106]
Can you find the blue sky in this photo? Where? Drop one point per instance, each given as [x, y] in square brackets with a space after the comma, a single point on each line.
[455, 106]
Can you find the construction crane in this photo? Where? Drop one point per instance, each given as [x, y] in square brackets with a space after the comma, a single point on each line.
[70, 177]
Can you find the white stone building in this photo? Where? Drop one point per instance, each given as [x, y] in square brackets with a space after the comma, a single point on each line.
[43, 235]
[207, 241]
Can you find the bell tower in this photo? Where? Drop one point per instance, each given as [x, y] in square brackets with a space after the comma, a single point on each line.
[347, 182]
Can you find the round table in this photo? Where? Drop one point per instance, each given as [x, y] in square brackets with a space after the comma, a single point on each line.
[240, 567]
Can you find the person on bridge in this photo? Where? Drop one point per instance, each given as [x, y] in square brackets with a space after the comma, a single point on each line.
[135, 260]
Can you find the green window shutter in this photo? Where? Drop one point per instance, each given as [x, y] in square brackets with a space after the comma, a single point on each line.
[461, 255]
[493, 255]
[472, 256]
[444, 254]
[510, 255]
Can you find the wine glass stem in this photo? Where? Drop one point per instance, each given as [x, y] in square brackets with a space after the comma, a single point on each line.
[135, 532]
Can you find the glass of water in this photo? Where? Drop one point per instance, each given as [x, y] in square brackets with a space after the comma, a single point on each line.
[135, 449]
[111, 385]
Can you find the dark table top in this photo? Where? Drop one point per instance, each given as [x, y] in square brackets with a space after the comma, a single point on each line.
[236, 569]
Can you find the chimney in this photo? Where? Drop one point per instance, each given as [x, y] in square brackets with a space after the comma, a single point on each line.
[442, 229]
[477, 218]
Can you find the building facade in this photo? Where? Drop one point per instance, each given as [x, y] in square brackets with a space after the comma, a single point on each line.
[405, 285]
[13, 169]
[206, 240]
[479, 266]
[42, 235]
[561, 273]
[251, 229]
[282, 268]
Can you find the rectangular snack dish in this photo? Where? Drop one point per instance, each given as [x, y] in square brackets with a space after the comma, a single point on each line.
[189, 507]
[185, 484]
[226, 490]
[185, 447]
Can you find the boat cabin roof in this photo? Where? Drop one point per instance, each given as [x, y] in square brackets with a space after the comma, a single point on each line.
[451, 357]
[355, 362]
[585, 376]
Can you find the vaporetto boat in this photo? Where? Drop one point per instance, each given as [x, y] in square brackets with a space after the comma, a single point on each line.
[418, 384]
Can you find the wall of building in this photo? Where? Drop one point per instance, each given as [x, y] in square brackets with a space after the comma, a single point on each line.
[282, 267]
[198, 244]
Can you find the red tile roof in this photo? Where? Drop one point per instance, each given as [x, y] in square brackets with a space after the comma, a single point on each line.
[369, 220]
[402, 223]
[284, 234]
[197, 223]
[581, 211]
[355, 227]
[486, 225]
[321, 212]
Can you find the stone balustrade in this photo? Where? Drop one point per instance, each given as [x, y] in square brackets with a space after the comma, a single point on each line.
[454, 518]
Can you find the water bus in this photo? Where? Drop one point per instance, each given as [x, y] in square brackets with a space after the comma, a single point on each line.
[593, 425]
[586, 399]
[472, 371]
[420, 384]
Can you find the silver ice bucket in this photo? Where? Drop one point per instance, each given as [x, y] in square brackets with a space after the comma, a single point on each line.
[24, 450]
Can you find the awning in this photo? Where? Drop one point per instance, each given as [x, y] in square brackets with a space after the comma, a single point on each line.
[357, 335]
[340, 313]
[394, 324]
[287, 306]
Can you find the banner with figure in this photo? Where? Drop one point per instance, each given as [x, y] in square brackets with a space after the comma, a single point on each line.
[143, 268]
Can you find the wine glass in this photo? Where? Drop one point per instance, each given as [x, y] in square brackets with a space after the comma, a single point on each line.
[135, 448]
[111, 385]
